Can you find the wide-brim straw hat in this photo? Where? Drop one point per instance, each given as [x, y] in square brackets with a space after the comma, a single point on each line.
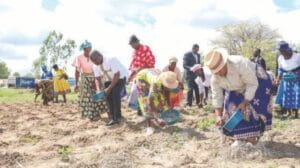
[168, 79]
[215, 60]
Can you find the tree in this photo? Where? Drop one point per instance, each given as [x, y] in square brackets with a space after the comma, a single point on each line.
[55, 50]
[16, 74]
[296, 47]
[29, 75]
[244, 37]
[4, 71]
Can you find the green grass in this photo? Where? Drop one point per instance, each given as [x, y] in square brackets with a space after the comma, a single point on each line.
[9, 95]
[279, 124]
[65, 151]
[30, 139]
[206, 123]
[273, 165]
[207, 108]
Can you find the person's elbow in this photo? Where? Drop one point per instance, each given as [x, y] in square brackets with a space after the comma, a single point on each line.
[117, 75]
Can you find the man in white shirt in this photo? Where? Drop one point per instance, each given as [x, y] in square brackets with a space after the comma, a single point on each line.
[114, 75]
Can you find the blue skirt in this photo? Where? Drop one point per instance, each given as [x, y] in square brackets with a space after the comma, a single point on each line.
[288, 94]
[258, 116]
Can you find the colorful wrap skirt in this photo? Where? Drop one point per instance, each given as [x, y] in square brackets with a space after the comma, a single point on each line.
[87, 107]
[288, 93]
[258, 114]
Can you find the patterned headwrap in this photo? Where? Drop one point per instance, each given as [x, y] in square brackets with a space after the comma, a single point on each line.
[44, 67]
[85, 44]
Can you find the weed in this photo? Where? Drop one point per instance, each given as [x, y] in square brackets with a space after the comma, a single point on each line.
[280, 124]
[206, 123]
[30, 139]
[273, 165]
[65, 151]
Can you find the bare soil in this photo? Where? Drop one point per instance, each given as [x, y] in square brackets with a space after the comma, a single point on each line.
[32, 135]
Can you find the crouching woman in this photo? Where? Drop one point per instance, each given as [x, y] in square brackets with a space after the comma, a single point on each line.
[247, 87]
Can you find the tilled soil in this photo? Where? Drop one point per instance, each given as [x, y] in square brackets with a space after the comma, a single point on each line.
[32, 135]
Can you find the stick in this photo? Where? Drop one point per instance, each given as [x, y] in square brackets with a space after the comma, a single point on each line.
[19, 164]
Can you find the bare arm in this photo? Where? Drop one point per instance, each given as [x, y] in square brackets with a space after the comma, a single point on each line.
[113, 83]
[98, 83]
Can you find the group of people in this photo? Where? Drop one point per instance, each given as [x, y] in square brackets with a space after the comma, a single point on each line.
[236, 83]
[52, 86]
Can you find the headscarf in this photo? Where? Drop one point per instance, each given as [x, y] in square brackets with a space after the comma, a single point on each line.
[44, 67]
[85, 44]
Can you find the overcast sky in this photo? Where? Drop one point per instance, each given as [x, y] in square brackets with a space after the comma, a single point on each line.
[169, 27]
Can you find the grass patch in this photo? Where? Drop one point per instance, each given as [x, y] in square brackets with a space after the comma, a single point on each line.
[10, 95]
[207, 108]
[175, 131]
[65, 151]
[30, 139]
[206, 123]
[279, 124]
[273, 165]
[16, 95]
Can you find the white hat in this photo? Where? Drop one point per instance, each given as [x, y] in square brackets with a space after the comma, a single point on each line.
[168, 79]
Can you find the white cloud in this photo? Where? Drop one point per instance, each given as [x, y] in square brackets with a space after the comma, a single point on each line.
[168, 27]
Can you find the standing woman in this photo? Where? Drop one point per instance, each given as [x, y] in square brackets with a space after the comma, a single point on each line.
[142, 58]
[288, 78]
[61, 86]
[85, 83]
[175, 97]
[248, 88]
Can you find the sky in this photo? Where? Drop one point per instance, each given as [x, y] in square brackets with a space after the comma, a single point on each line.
[169, 27]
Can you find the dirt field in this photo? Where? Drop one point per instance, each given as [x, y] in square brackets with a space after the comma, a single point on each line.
[35, 136]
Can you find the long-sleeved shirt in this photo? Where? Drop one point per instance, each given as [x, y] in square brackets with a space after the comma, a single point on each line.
[241, 77]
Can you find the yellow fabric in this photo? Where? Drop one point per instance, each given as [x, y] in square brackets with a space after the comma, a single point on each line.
[61, 86]
[150, 77]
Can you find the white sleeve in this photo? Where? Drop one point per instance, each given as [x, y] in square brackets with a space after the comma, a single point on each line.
[216, 93]
[298, 60]
[198, 81]
[247, 75]
[97, 72]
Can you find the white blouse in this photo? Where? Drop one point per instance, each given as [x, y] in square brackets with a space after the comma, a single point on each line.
[289, 64]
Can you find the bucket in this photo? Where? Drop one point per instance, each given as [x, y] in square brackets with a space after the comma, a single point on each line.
[233, 121]
[98, 96]
[170, 116]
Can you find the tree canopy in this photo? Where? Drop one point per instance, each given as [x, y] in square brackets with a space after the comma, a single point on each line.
[242, 38]
[4, 71]
[55, 50]
[16, 74]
